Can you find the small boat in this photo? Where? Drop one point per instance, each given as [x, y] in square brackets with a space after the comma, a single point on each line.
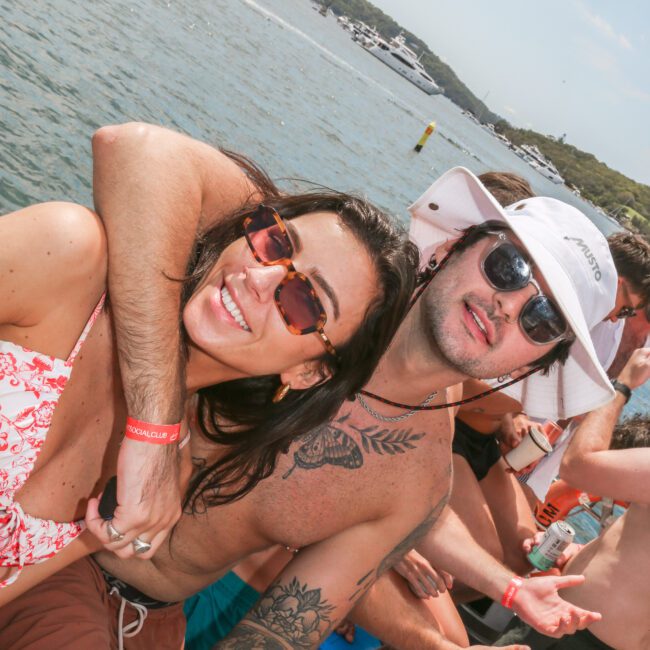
[536, 159]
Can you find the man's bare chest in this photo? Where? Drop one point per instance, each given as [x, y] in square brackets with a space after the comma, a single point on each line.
[351, 470]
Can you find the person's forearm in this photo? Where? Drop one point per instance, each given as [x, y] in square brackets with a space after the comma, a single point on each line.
[155, 189]
[594, 434]
[450, 546]
[150, 202]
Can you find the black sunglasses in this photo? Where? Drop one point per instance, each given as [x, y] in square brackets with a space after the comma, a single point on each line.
[506, 268]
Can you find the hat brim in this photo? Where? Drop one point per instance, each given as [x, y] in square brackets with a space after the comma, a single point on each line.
[459, 200]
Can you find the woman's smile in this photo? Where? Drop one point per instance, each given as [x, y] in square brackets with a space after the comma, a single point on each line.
[232, 309]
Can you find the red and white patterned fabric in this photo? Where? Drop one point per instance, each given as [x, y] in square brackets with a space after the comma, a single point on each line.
[30, 386]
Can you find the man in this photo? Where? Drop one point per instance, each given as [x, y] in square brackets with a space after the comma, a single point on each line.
[359, 492]
[631, 255]
[616, 564]
[624, 329]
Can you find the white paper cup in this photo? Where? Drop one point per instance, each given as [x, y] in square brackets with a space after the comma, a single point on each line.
[533, 446]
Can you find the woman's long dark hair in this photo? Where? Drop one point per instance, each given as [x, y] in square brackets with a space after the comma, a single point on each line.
[258, 430]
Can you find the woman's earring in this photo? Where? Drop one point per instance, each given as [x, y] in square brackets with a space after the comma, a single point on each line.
[281, 393]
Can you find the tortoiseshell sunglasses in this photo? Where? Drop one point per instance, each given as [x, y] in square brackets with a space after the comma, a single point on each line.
[295, 297]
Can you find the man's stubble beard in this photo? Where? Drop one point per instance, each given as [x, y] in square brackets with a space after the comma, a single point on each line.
[441, 341]
[444, 344]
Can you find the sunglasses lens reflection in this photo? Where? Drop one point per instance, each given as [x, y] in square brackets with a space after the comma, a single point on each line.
[299, 305]
[506, 268]
[267, 237]
[542, 321]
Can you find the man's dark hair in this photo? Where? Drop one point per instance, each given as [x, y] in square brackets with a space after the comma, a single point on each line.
[631, 255]
[632, 433]
[473, 235]
[258, 429]
[507, 188]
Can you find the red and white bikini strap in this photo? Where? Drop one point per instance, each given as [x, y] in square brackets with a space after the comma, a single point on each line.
[93, 317]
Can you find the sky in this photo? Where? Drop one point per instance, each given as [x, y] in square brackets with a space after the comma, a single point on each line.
[580, 67]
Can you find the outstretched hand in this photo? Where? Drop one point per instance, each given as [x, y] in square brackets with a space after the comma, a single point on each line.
[150, 480]
[538, 603]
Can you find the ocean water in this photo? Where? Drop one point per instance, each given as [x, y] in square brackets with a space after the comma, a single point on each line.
[270, 78]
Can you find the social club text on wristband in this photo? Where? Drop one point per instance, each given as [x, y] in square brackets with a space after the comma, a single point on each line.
[511, 591]
[157, 434]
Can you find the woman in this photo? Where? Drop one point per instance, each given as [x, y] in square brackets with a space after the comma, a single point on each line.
[324, 265]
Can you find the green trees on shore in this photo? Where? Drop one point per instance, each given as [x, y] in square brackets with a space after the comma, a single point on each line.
[606, 187]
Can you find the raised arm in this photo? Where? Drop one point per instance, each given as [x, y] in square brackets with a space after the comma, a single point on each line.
[588, 463]
[154, 189]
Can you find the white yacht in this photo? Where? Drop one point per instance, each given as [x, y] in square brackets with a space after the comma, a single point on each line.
[536, 159]
[402, 59]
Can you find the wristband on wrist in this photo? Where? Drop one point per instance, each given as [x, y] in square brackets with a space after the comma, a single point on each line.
[158, 434]
[623, 389]
[511, 591]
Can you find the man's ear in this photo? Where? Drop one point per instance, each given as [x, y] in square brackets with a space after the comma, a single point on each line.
[306, 375]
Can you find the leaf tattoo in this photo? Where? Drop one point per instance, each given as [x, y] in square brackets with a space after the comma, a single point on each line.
[388, 441]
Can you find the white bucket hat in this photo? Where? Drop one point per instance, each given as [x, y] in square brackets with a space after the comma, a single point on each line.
[569, 252]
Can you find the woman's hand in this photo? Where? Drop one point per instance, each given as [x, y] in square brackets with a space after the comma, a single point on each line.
[423, 580]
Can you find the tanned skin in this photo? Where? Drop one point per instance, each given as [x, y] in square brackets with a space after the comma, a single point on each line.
[354, 495]
[615, 565]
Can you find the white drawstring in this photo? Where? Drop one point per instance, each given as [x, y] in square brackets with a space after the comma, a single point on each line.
[134, 627]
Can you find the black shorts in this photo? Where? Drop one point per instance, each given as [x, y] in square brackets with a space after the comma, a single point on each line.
[480, 450]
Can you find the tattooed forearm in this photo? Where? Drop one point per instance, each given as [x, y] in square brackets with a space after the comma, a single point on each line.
[413, 537]
[292, 614]
[247, 637]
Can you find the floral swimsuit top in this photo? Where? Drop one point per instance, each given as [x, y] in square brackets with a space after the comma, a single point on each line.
[30, 386]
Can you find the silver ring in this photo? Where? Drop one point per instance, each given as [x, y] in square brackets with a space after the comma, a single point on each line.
[139, 546]
[113, 534]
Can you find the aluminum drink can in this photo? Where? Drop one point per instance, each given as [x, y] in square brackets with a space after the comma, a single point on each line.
[556, 538]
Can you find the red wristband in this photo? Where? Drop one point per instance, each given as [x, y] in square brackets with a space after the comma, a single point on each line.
[159, 434]
[511, 591]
